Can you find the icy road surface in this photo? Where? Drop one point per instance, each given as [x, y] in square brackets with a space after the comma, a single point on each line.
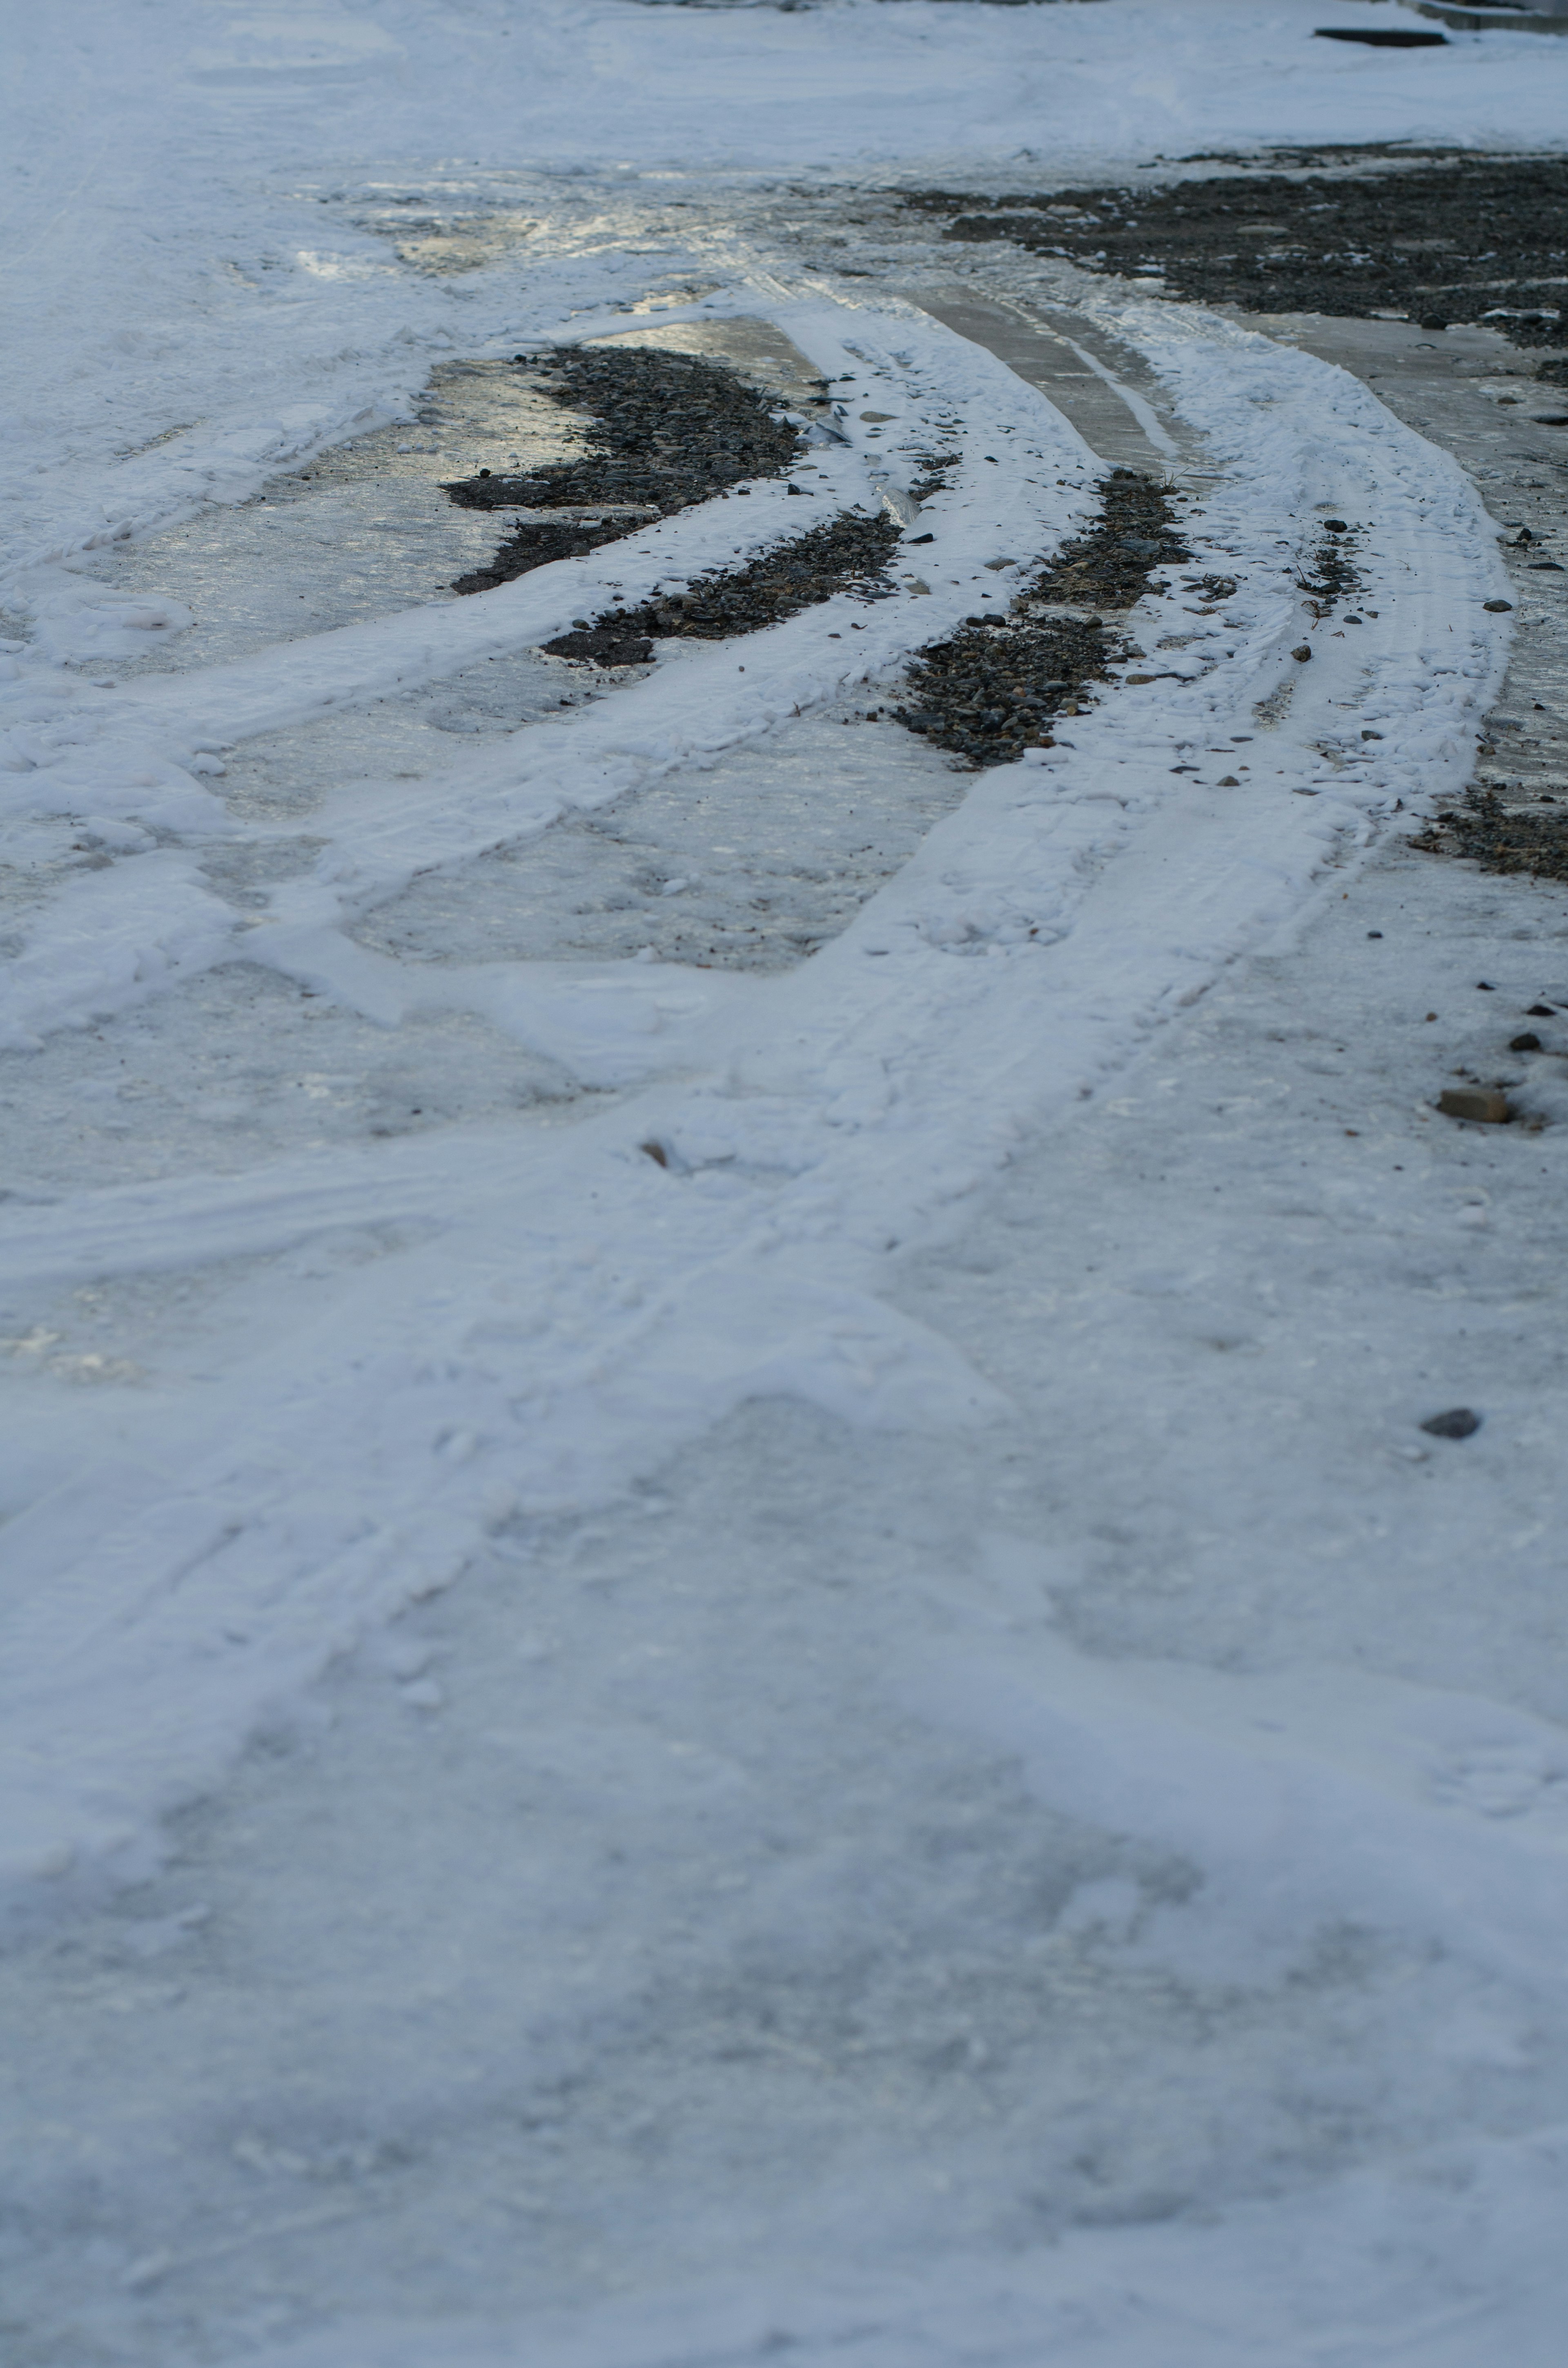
[725, 1626]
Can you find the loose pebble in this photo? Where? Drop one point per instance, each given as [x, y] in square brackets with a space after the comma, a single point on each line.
[1480, 1105]
[1459, 1422]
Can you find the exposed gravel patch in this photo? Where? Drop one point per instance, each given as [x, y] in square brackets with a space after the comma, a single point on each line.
[1110, 567]
[664, 431]
[1457, 238]
[934, 479]
[1332, 577]
[849, 552]
[993, 688]
[1502, 838]
[538, 541]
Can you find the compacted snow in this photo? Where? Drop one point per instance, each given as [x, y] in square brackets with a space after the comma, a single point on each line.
[726, 1627]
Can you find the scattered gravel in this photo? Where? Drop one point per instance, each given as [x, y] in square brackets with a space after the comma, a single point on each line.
[1332, 576]
[849, 552]
[933, 477]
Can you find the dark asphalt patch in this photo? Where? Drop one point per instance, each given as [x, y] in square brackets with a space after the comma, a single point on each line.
[1460, 238]
[846, 553]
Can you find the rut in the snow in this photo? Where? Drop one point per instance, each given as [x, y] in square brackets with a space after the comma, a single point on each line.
[993, 689]
[663, 431]
[846, 553]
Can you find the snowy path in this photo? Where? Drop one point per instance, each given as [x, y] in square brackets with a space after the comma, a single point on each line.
[810, 1124]
[709, 1655]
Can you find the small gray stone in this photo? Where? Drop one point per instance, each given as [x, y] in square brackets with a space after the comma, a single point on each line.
[1457, 1423]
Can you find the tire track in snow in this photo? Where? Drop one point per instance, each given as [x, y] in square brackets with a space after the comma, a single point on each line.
[695, 706]
[570, 1323]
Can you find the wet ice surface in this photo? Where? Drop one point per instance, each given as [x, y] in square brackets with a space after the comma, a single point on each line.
[750, 864]
[409, 735]
[239, 1066]
[904, 1993]
[654, 1906]
[653, 1916]
[363, 528]
[751, 861]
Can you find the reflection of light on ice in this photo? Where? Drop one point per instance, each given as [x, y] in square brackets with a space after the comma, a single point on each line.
[339, 266]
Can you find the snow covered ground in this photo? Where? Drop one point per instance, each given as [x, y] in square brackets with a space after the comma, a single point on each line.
[725, 1626]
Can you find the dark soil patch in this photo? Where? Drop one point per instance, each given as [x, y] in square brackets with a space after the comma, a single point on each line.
[1110, 567]
[665, 430]
[1484, 831]
[849, 552]
[1463, 239]
[993, 688]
